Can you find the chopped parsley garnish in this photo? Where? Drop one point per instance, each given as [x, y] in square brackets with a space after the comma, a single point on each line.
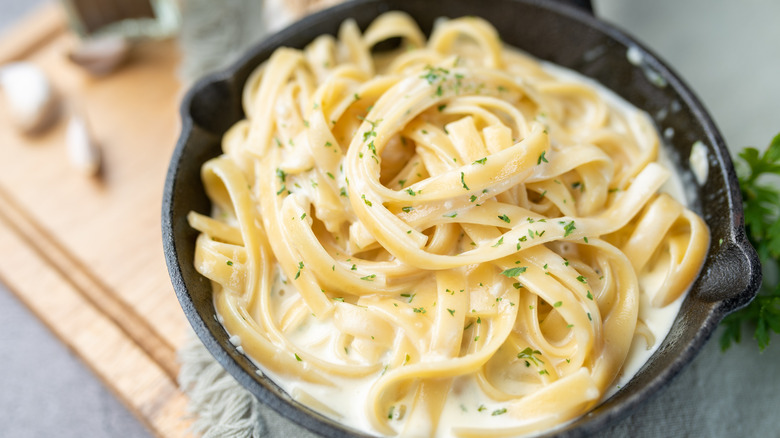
[298, 274]
[463, 181]
[482, 160]
[407, 209]
[558, 304]
[568, 229]
[505, 218]
[542, 158]
[582, 279]
[369, 277]
[452, 312]
[529, 355]
[514, 272]
[498, 412]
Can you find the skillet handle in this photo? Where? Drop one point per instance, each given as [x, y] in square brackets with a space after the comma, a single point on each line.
[585, 5]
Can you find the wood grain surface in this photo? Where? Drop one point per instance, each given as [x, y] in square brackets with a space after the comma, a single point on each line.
[85, 254]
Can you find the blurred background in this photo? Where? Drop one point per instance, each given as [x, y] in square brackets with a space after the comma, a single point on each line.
[728, 52]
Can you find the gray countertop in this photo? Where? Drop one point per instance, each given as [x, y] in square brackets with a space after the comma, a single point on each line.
[729, 52]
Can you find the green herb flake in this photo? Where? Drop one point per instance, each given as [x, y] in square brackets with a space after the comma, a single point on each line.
[229, 263]
[558, 304]
[514, 272]
[542, 158]
[463, 181]
[482, 160]
[568, 229]
[505, 218]
[452, 312]
[529, 354]
[498, 412]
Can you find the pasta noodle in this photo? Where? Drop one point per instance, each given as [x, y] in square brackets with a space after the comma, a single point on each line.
[447, 225]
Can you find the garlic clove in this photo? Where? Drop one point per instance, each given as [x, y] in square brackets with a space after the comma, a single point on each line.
[83, 150]
[29, 95]
[102, 55]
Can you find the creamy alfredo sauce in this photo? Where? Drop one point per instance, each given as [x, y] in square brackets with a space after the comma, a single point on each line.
[467, 404]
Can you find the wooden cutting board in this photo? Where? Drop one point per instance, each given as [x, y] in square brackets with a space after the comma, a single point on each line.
[85, 254]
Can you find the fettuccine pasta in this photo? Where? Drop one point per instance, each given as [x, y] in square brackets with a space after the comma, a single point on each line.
[450, 226]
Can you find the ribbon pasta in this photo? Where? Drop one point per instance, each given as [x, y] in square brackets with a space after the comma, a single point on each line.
[449, 217]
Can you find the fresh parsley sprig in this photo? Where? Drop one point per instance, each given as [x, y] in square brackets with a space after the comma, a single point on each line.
[762, 224]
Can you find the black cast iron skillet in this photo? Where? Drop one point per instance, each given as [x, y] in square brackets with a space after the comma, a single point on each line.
[566, 34]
